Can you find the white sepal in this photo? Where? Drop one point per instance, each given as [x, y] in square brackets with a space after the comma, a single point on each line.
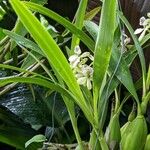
[138, 31]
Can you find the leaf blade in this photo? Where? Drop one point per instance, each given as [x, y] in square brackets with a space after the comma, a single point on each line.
[79, 33]
[56, 59]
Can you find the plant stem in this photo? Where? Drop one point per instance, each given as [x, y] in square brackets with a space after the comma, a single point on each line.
[74, 124]
[144, 103]
[102, 140]
[117, 101]
[71, 111]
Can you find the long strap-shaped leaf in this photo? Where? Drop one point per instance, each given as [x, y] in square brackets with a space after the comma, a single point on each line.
[47, 44]
[103, 45]
[138, 48]
[79, 22]
[51, 51]
[64, 22]
[35, 80]
[24, 41]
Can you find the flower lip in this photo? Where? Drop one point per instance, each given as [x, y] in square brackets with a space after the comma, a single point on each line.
[83, 72]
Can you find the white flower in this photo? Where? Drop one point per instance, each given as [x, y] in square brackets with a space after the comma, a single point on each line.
[125, 40]
[87, 70]
[74, 60]
[146, 26]
[84, 77]
[78, 58]
[142, 20]
[82, 80]
[82, 71]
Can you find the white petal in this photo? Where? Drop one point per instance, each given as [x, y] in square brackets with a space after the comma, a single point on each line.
[77, 50]
[91, 57]
[139, 30]
[89, 85]
[142, 20]
[85, 54]
[148, 15]
[142, 35]
[146, 22]
[73, 58]
[123, 33]
[82, 80]
[91, 72]
[84, 70]
[127, 41]
[75, 63]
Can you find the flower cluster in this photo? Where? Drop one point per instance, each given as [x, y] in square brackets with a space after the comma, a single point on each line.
[125, 40]
[146, 26]
[83, 72]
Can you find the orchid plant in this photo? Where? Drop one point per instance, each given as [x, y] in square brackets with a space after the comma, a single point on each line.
[86, 79]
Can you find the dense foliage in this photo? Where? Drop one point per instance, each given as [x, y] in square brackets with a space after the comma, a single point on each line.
[66, 82]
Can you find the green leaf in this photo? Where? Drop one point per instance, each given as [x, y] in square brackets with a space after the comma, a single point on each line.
[118, 71]
[138, 48]
[123, 74]
[79, 22]
[48, 46]
[18, 29]
[2, 35]
[104, 42]
[21, 70]
[14, 136]
[29, 60]
[73, 29]
[148, 80]
[92, 28]
[103, 46]
[38, 81]
[41, 2]
[35, 53]
[51, 51]
[91, 14]
[20, 40]
[24, 42]
[37, 138]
